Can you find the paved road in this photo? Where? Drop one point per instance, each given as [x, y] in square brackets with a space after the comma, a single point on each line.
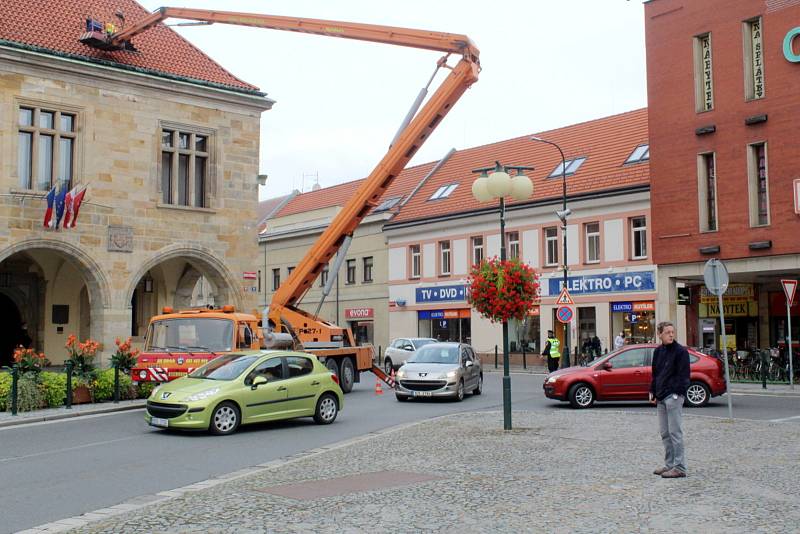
[65, 468]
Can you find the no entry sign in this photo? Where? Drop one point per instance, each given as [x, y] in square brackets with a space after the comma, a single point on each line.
[564, 314]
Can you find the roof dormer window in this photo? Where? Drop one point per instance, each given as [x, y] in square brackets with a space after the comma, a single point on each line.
[443, 192]
[572, 167]
[639, 154]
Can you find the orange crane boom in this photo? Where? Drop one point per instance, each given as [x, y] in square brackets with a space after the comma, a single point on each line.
[283, 312]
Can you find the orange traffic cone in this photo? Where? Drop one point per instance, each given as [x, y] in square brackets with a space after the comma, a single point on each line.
[378, 388]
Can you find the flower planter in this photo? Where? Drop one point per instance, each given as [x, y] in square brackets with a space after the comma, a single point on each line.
[81, 395]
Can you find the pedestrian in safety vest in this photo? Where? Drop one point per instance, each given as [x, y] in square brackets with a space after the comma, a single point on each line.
[551, 351]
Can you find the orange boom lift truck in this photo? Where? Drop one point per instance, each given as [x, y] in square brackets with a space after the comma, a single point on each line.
[284, 322]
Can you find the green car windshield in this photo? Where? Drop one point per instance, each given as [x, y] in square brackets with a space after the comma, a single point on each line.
[436, 354]
[226, 367]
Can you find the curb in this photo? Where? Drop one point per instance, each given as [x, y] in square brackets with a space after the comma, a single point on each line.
[68, 415]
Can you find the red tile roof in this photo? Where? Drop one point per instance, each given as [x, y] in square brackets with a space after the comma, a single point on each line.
[606, 143]
[54, 26]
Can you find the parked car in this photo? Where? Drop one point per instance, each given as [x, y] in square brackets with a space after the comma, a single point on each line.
[401, 349]
[624, 375]
[440, 370]
[247, 387]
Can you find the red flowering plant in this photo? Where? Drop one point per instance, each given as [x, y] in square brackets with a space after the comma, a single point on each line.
[503, 289]
[81, 355]
[124, 358]
[29, 361]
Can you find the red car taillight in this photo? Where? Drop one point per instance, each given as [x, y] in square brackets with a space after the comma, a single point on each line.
[335, 378]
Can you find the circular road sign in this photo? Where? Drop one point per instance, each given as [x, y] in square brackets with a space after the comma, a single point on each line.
[715, 276]
[564, 314]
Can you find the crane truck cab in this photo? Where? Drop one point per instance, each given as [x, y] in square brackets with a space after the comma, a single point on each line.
[176, 343]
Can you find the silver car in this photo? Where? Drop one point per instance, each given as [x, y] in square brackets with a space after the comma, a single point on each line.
[401, 349]
[440, 370]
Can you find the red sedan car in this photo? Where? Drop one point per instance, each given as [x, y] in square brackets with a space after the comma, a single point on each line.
[624, 375]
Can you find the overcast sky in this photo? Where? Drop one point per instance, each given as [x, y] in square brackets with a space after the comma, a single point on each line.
[339, 102]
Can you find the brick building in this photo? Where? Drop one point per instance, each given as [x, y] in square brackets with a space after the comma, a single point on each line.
[166, 142]
[725, 162]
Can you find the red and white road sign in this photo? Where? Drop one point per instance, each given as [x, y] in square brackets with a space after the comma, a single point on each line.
[564, 299]
[789, 289]
[564, 314]
[249, 275]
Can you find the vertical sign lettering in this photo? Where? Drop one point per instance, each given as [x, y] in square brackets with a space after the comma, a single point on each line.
[708, 87]
[757, 58]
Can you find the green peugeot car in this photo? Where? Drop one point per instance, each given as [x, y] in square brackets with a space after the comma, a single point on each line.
[247, 387]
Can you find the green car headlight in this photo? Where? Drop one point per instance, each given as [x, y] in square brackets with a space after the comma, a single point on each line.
[202, 395]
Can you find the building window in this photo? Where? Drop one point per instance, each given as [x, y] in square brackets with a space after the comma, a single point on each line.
[367, 269]
[592, 231]
[444, 258]
[753, 60]
[707, 192]
[323, 277]
[351, 272]
[512, 241]
[443, 192]
[387, 204]
[703, 73]
[757, 178]
[276, 279]
[46, 148]
[259, 280]
[551, 246]
[416, 261]
[289, 271]
[572, 167]
[477, 249]
[184, 168]
[638, 238]
[639, 154]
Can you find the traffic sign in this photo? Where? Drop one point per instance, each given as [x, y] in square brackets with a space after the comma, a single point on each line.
[789, 288]
[715, 276]
[564, 314]
[564, 299]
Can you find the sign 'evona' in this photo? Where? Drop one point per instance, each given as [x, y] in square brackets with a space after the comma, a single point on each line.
[788, 49]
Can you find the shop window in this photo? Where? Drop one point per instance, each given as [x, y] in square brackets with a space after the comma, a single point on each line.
[551, 246]
[638, 238]
[46, 148]
[587, 323]
[592, 231]
[367, 265]
[703, 73]
[444, 258]
[350, 271]
[477, 249]
[707, 191]
[753, 59]
[184, 167]
[512, 240]
[416, 261]
[276, 279]
[758, 184]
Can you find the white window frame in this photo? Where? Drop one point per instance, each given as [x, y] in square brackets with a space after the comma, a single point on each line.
[639, 154]
[477, 248]
[572, 167]
[415, 253]
[550, 247]
[445, 257]
[367, 265]
[36, 132]
[513, 245]
[194, 198]
[347, 270]
[638, 235]
[444, 191]
[276, 279]
[589, 237]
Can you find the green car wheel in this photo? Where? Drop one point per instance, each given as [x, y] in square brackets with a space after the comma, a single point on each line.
[327, 409]
[225, 419]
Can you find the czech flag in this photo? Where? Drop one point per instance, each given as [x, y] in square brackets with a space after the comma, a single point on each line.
[77, 199]
[60, 204]
[48, 214]
[68, 207]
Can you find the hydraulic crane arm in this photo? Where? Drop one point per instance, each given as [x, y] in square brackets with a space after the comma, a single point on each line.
[283, 311]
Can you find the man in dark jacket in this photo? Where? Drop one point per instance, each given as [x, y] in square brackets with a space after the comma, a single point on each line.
[667, 390]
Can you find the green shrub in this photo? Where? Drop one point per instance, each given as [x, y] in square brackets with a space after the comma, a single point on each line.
[103, 386]
[145, 389]
[29, 396]
[54, 388]
[5, 389]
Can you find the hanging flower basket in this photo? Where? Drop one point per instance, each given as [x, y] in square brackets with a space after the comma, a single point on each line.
[501, 290]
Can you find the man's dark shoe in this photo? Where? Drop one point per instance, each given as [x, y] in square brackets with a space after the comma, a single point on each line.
[673, 473]
[661, 470]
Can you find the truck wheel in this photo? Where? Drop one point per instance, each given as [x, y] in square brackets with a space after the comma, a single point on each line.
[333, 367]
[347, 375]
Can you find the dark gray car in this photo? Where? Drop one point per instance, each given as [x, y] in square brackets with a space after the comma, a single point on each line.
[440, 370]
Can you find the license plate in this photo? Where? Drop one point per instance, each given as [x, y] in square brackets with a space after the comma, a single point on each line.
[159, 421]
[423, 393]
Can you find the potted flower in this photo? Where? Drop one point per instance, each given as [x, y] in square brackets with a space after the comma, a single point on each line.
[503, 289]
[124, 358]
[80, 357]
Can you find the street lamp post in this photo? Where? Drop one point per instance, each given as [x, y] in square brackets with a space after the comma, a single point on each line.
[562, 215]
[498, 185]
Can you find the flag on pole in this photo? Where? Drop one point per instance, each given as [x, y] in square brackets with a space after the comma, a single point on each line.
[77, 199]
[48, 214]
[60, 203]
[68, 207]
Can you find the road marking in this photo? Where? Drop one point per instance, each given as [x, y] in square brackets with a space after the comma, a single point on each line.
[59, 451]
[72, 418]
[783, 420]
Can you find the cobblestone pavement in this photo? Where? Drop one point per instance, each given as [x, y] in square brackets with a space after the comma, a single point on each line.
[562, 471]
